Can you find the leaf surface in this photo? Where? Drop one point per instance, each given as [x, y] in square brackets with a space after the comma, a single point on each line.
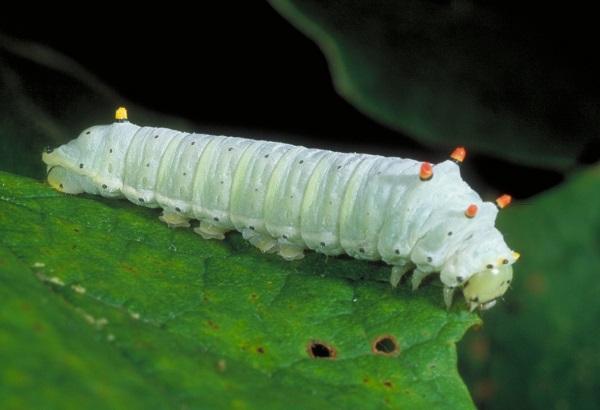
[105, 306]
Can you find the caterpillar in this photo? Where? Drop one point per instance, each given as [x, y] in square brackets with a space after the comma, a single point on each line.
[283, 198]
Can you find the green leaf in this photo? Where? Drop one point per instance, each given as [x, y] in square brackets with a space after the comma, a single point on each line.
[103, 306]
[543, 351]
[460, 73]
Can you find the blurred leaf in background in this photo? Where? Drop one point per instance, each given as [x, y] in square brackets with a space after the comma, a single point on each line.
[47, 98]
[542, 349]
[501, 78]
[103, 306]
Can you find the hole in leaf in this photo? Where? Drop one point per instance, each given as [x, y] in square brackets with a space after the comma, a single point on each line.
[386, 345]
[319, 350]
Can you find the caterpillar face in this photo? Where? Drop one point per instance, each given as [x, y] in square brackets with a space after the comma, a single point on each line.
[484, 287]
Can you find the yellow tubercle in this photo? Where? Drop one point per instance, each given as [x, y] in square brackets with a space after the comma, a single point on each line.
[516, 255]
[121, 114]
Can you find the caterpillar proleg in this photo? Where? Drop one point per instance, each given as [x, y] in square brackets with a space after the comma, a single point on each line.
[284, 198]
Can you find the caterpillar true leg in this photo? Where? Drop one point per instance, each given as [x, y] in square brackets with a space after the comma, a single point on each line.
[174, 220]
[210, 231]
[417, 278]
[448, 294]
[398, 271]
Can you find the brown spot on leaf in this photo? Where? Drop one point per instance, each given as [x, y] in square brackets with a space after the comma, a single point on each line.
[130, 269]
[221, 365]
[38, 327]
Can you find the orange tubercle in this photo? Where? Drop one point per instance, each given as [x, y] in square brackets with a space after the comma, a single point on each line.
[503, 201]
[471, 211]
[426, 171]
[459, 154]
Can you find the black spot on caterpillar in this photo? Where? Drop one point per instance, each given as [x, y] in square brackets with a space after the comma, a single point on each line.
[412, 215]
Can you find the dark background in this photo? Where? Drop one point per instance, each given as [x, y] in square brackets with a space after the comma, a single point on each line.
[234, 66]
[242, 69]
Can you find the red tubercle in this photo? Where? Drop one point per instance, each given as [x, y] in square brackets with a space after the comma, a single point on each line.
[459, 154]
[471, 211]
[503, 201]
[426, 171]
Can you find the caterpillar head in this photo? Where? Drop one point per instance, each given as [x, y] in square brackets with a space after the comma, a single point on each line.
[483, 288]
[483, 267]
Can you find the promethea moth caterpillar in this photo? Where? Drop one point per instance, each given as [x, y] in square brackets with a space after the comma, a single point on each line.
[285, 198]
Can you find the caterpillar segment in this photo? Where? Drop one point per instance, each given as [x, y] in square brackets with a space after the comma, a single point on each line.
[415, 216]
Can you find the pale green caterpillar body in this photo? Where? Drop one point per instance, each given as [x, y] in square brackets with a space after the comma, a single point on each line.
[285, 199]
